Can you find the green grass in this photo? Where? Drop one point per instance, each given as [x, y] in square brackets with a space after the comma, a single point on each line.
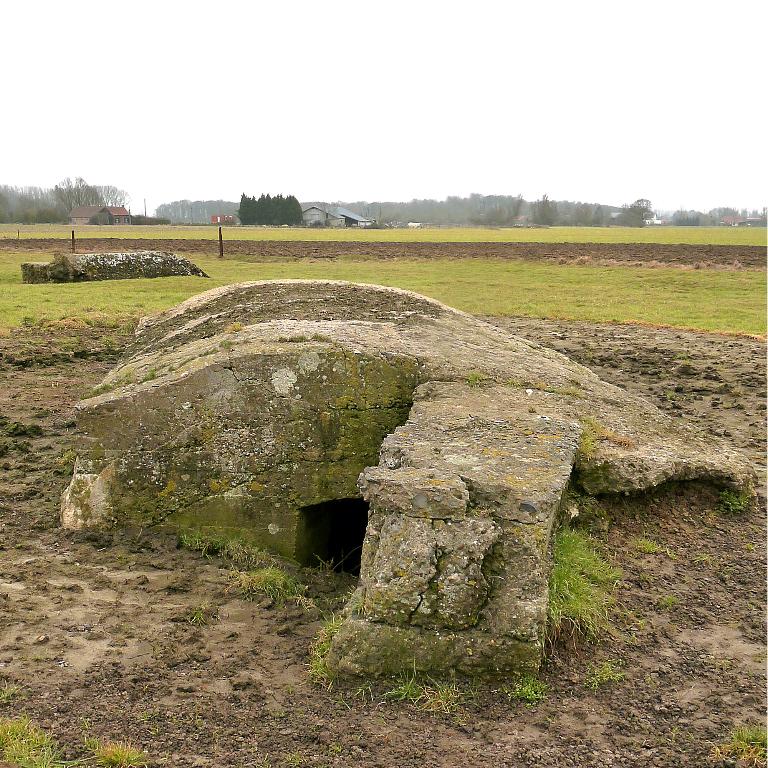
[650, 547]
[271, 581]
[239, 553]
[713, 300]
[691, 235]
[602, 674]
[428, 695]
[318, 652]
[580, 588]
[747, 744]
[734, 503]
[668, 602]
[527, 688]
[9, 692]
[22, 743]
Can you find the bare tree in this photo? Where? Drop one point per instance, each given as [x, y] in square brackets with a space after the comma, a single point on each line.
[112, 195]
[72, 194]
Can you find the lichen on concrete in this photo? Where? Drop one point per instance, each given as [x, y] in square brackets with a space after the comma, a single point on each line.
[241, 408]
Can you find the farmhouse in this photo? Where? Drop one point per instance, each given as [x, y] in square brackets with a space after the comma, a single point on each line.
[223, 218]
[320, 216]
[87, 214]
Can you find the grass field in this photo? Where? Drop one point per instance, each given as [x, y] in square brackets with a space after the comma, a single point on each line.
[688, 235]
[714, 300]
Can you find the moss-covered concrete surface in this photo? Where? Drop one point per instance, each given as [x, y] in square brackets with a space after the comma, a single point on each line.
[246, 405]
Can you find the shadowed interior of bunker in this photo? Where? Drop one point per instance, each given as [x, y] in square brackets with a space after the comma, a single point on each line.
[332, 533]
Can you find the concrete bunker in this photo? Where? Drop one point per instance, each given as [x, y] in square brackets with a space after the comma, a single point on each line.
[320, 418]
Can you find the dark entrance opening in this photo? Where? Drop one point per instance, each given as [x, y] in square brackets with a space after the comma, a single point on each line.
[332, 533]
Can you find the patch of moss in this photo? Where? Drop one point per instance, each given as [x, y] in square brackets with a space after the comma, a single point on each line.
[732, 503]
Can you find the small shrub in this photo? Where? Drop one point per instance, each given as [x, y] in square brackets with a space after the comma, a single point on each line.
[273, 582]
[528, 689]
[733, 503]
[580, 588]
[607, 672]
[65, 463]
[748, 744]
[318, 652]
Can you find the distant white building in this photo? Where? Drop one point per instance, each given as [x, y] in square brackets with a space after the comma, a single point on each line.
[321, 216]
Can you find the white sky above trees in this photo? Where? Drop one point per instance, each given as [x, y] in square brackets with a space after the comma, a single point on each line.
[354, 100]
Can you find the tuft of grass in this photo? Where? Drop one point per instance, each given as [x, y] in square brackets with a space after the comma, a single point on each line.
[580, 588]
[594, 433]
[526, 688]
[748, 744]
[475, 378]
[22, 743]
[732, 503]
[668, 602]
[271, 581]
[587, 443]
[240, 554]
[116, 754]
[201, 616]
[428, 695]
[9, 692]
[602, 674]
[318, 652]
[647, 546]
[650, 547]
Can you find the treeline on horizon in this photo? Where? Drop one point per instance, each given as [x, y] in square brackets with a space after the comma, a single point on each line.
[40, 205]
[477, 210]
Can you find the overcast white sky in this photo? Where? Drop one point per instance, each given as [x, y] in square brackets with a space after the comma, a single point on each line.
[349, 100]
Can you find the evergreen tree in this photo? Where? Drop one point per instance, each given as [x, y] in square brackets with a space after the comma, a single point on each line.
[293, 214]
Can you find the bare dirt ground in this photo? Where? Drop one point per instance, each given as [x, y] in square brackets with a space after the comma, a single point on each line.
[648, 254]
[95, 627]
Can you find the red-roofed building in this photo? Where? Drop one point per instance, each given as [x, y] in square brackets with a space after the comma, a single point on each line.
[100, 214]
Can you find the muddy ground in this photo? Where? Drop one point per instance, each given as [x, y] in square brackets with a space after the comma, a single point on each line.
[95, 629]
[627, 254]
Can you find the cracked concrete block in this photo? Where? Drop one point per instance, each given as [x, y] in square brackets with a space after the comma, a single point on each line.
[319, 418]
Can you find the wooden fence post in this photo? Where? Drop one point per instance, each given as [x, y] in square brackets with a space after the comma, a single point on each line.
[73, 241]
[221, 245]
